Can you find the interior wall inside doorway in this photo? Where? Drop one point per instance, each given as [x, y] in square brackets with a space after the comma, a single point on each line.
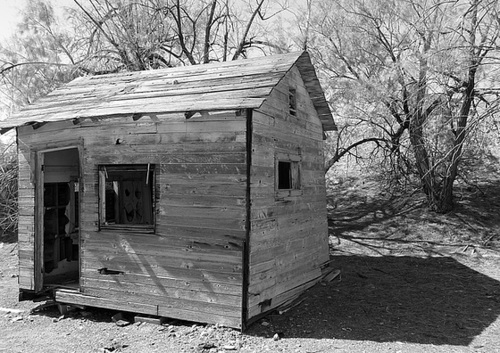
[61, 166]
[61, 237]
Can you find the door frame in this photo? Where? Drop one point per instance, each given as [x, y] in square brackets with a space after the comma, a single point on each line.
[39, 208]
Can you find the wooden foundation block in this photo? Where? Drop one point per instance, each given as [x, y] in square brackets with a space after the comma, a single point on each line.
[150, 319]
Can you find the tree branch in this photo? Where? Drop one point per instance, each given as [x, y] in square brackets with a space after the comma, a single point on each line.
[208, 29]
[12, 66]
[241, 46]
[342, 152]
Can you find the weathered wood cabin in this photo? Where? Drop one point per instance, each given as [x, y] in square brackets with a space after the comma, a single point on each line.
[194, 193]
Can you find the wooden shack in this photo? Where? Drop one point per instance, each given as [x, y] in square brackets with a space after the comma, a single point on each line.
[195, 193]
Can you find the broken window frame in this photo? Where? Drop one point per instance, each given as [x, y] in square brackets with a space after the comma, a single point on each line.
[131, 173]
[290, 185]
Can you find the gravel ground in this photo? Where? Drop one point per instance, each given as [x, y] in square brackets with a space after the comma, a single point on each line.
[377, 304]
[410, 281]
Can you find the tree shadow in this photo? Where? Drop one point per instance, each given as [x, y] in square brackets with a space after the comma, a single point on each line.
[8, 237]
[365, 220]
[478, 209]
[434, 300]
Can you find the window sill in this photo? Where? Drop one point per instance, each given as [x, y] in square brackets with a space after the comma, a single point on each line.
[288, 195]
[143, 228]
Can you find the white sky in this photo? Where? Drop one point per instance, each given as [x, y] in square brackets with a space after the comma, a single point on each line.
[9, 14]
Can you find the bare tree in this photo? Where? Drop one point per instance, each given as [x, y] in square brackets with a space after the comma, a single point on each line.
[415, 77]
[39, 56]
[8, 190]
[105, 36]
[148, 34]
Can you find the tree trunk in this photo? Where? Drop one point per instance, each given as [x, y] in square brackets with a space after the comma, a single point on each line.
[416, 131]
[446, 203]
[446, 196]
[425, 172]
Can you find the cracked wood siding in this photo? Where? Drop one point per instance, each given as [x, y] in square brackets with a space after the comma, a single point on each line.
[192, 267]
[26, 226]
[289, 240]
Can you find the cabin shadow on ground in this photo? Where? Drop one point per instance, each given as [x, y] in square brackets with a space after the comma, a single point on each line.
[50, 309]
[433, 300]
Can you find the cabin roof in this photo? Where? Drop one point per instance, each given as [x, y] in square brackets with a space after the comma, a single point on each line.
[218, 86]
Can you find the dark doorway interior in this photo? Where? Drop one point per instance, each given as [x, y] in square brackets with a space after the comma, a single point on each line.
[61, 218]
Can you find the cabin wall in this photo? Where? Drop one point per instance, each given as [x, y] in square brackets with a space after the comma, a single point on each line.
[191, 267]
[289, 237]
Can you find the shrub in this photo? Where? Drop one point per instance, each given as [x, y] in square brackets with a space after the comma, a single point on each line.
[8, 190]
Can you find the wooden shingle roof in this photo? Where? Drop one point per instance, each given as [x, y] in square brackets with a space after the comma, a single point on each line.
[218, 86]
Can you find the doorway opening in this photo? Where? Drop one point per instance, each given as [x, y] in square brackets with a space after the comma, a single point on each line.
[61, 218]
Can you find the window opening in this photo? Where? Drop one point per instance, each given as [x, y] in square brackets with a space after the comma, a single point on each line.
[288, 179]
[284, 175]
[127, 195]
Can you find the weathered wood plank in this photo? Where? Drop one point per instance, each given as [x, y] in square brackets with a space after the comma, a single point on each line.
[207, 157]
[279, 299]
[200, 168]
[93, 261]
[197, 179]
[26, 276]
[211, 293]
[190, 250]
[207, 223]
[107, 302]
[267, 249]
[173, 282]
[202, 211]
[191, 232]
[208, 101]
[214, 317]
[191, 196]
[206, 189]
[90, 269]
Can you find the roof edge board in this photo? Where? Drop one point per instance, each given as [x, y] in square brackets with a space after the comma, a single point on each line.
[318, 97]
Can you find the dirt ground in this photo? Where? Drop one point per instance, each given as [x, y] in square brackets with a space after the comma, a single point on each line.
[411, 281]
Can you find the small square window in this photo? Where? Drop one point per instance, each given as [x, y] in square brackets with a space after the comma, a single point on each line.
[288, 180]
[126, 195]
[288, 175]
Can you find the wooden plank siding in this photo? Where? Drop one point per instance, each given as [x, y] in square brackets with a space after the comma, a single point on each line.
[26, 225]
[192, 267]
[289, 239]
